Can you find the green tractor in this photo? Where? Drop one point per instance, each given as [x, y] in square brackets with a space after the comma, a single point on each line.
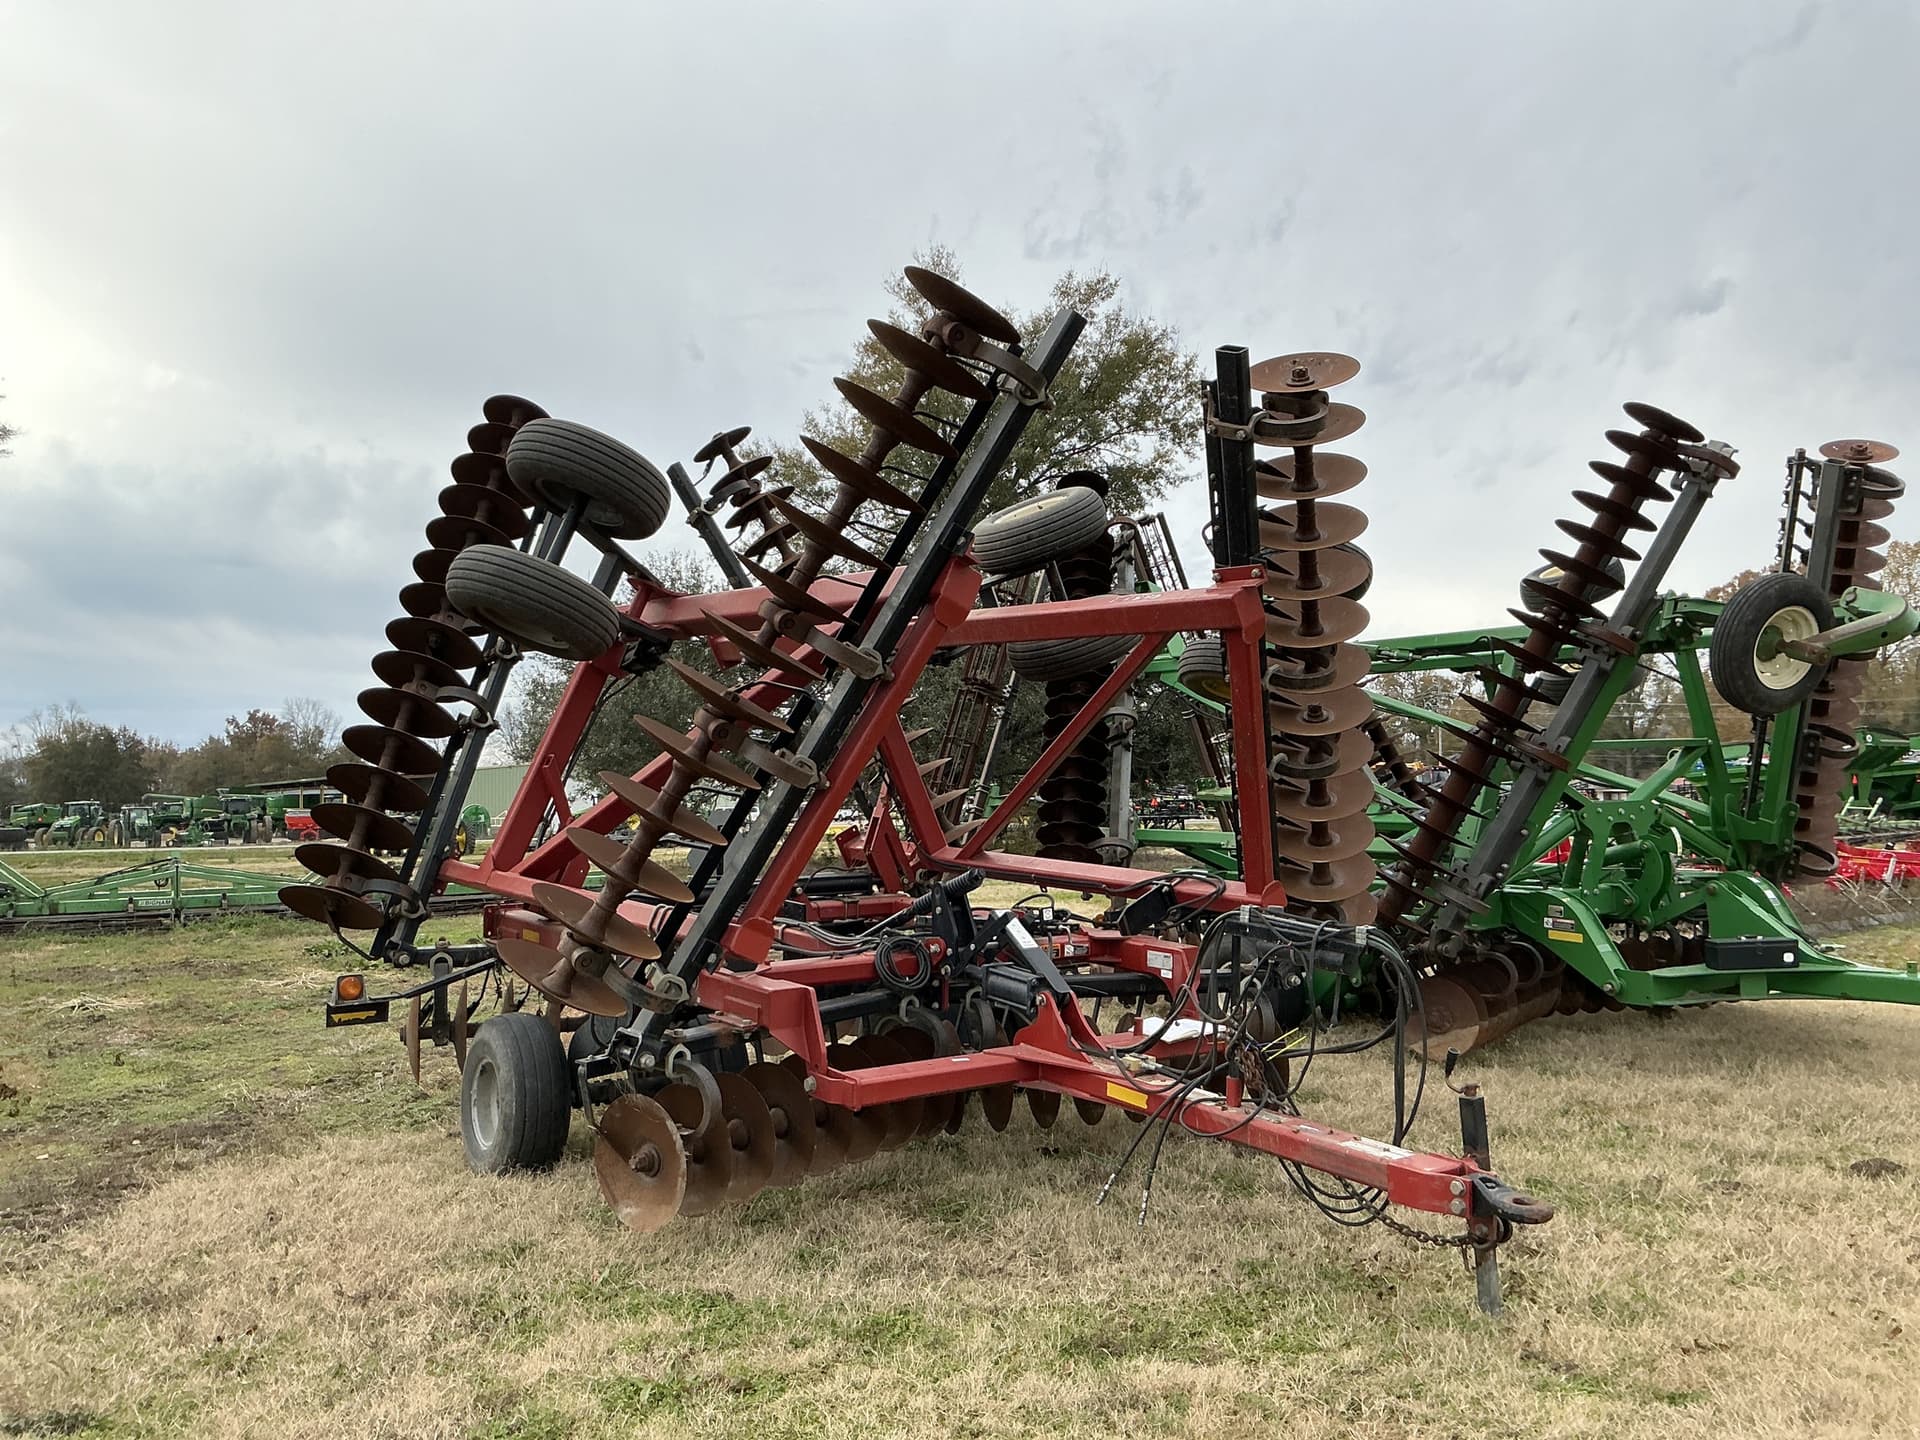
[27, 825]
[230, 817]
[82, 826]
[476, 825]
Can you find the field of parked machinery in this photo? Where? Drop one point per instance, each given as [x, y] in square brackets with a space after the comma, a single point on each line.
[756, 1023]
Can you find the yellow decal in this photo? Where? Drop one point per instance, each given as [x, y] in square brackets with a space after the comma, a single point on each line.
[533, 935]
[1125, 1096]
[345, 1015]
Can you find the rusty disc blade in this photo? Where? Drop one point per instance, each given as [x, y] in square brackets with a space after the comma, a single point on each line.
[712, 766]
[1359, 909]
[796, 598]
[1623, 516]
[919, 1045]
[436, 638]
[381, 830]
[902, 1116]
[780, 536]
[744, 474]
[1328, 475]
[457, 532]
[483, 471]
[427, 600]
[511, 410]
[432, 565]
[1653, 448]
[382, 789]
[709, 1156]
[757, 506]
[616, 933]
[1451, 1014]
[405, 710]
[559, 978]
[1302, 680]
[996, 1101]
[1629, 482]
[795, 1134]
[640, 1163]
[1342, 571]
[869, 1126]
[1292, 627]
[965, 306]
[862, 479]
[400, 668]
[1290, 528]
[823, 535]
[1856, 533]
[1652, 417]
[1335, 755]
[1860, 452]
[1091, 1112]
[1335, 425]
[678, 821]
[836, 1133]
[1343, 795]
[487, 505]
[331, 906]
[325, 859]
[748, 1123]
[1045, 1105]
[490, 437]
[629, 867]
[1306, 370]
[892, 419]
[1341, 880]
[722, 441]
[751, 647]
[722, 701]
[1320, 712]
[1331, 840]
[1604, 542]
[936, 365]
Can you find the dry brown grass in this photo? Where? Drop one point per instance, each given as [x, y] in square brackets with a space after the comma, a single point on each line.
[1715, 1270]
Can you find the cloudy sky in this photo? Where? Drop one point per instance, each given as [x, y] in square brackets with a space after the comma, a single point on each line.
[260, 263]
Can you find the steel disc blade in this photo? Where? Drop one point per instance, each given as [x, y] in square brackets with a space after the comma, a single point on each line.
[1338, 840]
[1322, 712]
[487, 505]
[1336, 425]
[390, 749]
[796, 598]
[1624, 516]
[457, 532]
[752, 647]
[1291, 628]
[432, 565]
[748, 1123]
[1860, 452]
[478, 468]
[1359, 909]
[629, 867]
[722, 441]
[1340, 796]
[1306, 370]
[530, 960]
[1335, 755]
[862, 479]
[640, 1163]
[572, 908]
[1288, 528]
[836, 1133]
[709, 765]
[378, 830]
[936, 365]
[400, 669]
[795, 1133]
[723, 701]
[1343, 880]
[966, 307]
[869, 1126]
[1330, 475]
[1652, 417]
[332, 907]
[902, 1116]
[1091, 1112]
[645, 801]
[1655, 448]
[564, 981]
[1311, 673]
[1628, 482]
[490, 437]
[919, 1045]
[325, 859]
[1342, 570]
[1452, 1016]
[709, 1156]
[435, 638]
[996, 1101]
[406, 711]
[892, 419]
[1045, 1105]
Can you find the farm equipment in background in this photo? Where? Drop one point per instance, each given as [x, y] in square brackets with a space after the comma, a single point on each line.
[82, 826]
[27, 825]
[750, 1024]
[475, 829]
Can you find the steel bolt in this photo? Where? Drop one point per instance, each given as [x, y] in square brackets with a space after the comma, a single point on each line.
[1458, 1187]
[1457, 1207]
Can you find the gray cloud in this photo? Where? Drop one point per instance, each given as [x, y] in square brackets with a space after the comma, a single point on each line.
[260, 266]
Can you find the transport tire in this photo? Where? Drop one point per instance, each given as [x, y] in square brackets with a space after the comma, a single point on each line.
[1203, 667]
[1046, 660]
[1047, 527]
[1748, 670]
[532, 602]
[557, 461]
[516, 1095]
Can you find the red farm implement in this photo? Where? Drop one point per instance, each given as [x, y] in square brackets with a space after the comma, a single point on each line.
[741, 1022]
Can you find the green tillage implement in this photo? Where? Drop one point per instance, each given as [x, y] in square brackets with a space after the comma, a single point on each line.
[164, 889]
[1664, 898]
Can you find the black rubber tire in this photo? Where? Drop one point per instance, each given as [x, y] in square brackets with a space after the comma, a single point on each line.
[1046, 660]
[1203, 666]
[556, 460]
[533, 602]
[1733, 656]
[516, 1095]
[1040, 529]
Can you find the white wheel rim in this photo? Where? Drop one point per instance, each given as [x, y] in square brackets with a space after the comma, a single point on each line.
[485, 1110]
[1781, 671]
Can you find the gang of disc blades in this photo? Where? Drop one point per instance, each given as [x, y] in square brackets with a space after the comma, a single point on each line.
[572, 907]
[647, 802]
[634, 871]
[709, 1156]
[795, 1133]
[640, 1163]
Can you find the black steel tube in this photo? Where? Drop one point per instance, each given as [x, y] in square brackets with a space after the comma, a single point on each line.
[1239, 544]
[701, 519]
